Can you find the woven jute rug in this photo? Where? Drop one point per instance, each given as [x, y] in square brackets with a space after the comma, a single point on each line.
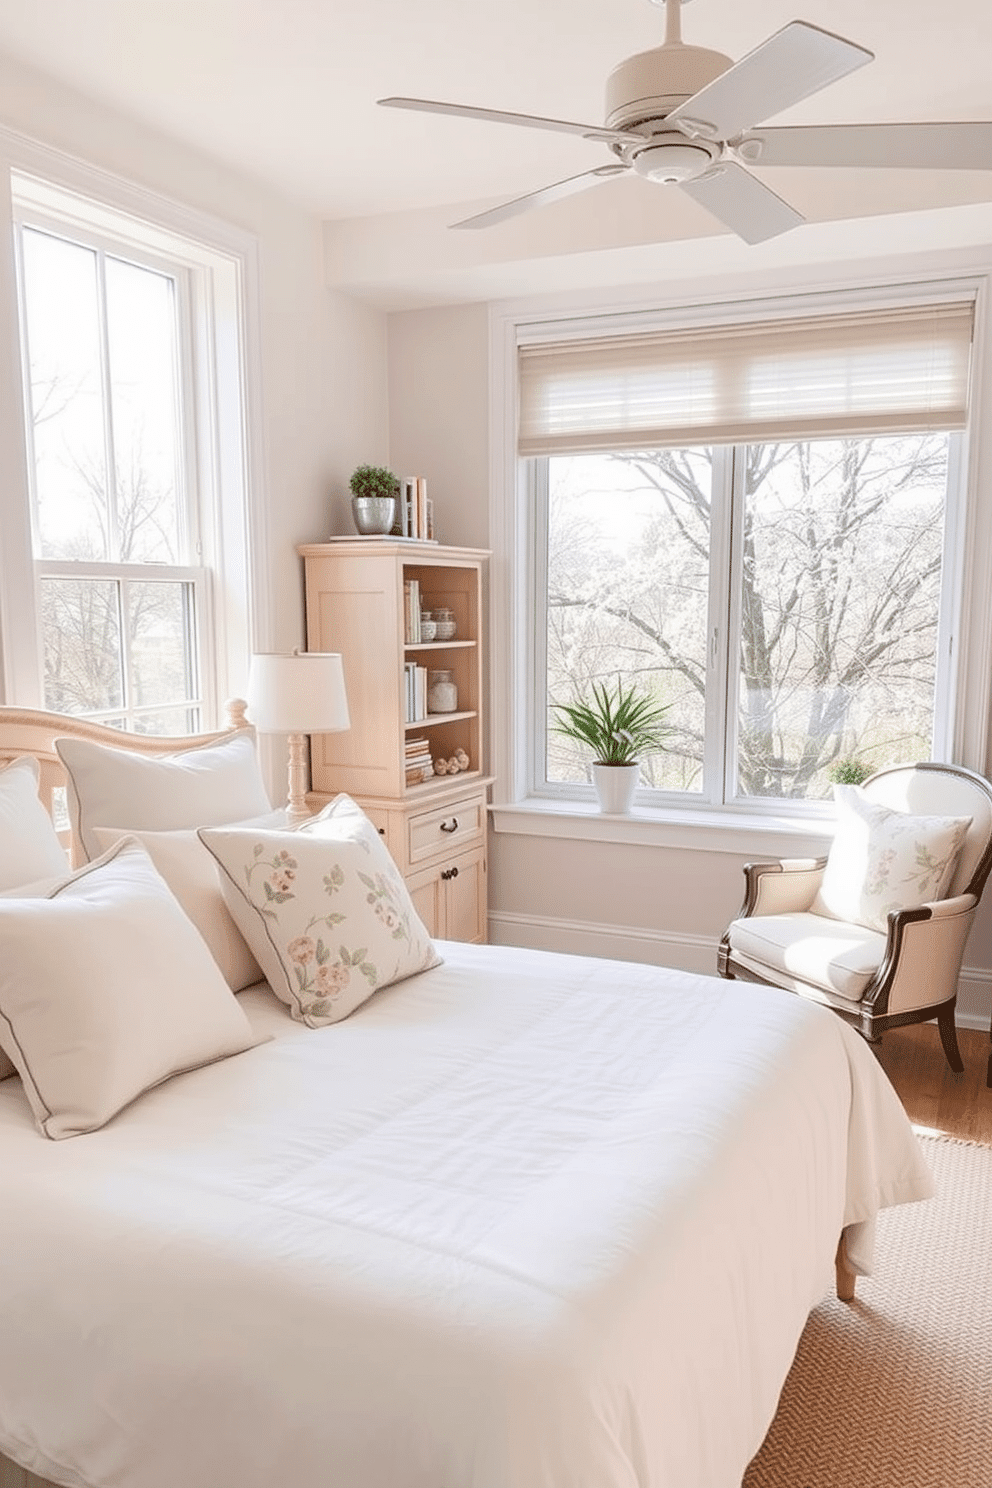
[895, 1389]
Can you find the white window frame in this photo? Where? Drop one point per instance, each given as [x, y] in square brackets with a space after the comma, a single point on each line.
[220, 265]
[723, 630]
[965, 637]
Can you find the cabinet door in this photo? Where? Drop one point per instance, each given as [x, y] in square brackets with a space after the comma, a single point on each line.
[465, 898]
[426, 891]
[450, 897]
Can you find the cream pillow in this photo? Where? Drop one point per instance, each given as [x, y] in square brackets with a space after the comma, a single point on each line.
[882, 860]
[29, 845]
[192, 875]
[203, 786]
[324, 909]
[107, 989]
[29, 891]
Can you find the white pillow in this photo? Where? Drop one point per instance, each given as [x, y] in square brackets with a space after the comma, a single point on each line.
[882, 859]
[203, 786]
[191, 873]
[107, 989]
[324, 909]
[29, 845]
[36, 890]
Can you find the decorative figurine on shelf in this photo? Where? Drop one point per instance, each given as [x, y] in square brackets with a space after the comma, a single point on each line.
[459, 761]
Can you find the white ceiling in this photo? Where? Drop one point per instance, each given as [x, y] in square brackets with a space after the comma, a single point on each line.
[285, 90]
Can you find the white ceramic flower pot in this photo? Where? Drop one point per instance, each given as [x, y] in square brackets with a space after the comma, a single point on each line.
[615, 787]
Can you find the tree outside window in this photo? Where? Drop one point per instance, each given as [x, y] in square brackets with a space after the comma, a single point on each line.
[821, 559]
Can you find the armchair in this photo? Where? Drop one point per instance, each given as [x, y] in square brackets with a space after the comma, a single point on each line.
[875, 978]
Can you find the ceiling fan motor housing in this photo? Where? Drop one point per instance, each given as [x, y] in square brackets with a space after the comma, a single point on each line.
[650, 84]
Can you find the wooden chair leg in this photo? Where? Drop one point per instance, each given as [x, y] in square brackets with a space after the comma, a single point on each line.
[949, 1038]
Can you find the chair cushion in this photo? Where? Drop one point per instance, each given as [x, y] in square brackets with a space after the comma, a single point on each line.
[828, 954]
[881, 860]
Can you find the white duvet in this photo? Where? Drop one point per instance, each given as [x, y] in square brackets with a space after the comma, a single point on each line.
[524, 1221]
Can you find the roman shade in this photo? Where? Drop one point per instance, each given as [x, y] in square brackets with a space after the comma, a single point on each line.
[845, 375]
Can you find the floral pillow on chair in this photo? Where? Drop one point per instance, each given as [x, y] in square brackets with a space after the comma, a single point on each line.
[324, 909]
[882, 860]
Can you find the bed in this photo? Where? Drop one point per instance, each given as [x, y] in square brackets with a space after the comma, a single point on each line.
[517, 1220]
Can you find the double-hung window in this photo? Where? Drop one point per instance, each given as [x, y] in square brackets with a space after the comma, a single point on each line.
[757, 525]
[133, 410]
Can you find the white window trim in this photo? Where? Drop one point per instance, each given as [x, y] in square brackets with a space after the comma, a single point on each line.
[231, 443]
[739, 829]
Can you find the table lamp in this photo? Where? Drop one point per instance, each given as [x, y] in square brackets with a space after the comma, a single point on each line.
[297, 694]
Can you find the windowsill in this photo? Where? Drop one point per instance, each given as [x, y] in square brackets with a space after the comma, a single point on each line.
[702, 830]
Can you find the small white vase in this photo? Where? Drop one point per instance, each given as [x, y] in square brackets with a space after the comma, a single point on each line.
[615, 787]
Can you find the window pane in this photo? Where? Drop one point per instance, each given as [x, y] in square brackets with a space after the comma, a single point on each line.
[82, 645]
[172, 721]
[628, 582]
[842, 552]
[141, 335]
[161, 643]
[65, 397]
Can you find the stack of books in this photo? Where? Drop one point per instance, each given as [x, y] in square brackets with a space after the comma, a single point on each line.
[411, 611]
[415, 680]
[419, 765]
[416, 515]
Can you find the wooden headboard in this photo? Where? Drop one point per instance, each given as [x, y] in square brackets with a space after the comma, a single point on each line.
[31, 731]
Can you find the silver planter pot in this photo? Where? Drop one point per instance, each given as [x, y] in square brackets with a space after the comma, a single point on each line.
[373, 515]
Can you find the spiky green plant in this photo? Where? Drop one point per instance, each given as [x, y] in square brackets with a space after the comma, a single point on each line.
[618, 724]
[373, 480]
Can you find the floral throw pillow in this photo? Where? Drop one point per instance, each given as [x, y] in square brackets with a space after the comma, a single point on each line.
[882, 860]
[324, 909]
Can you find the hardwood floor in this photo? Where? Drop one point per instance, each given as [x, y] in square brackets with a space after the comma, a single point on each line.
[934, 1096]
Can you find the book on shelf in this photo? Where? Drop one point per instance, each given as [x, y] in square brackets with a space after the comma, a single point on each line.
[416, 520]
[417, 761]
[411, 617]
[415, 687]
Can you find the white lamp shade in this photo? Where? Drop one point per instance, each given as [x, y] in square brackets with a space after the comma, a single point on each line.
[298, 694]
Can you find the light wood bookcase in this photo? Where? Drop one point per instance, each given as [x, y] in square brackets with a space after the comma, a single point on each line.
[436, 830]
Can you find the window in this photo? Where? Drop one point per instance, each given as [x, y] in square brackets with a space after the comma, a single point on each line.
[136, 521]
[788, 595]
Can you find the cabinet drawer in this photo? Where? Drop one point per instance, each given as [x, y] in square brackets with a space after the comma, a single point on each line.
[446, 830]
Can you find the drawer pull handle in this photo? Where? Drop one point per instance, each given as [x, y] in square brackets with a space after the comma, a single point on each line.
[447, 873]
[451, 826]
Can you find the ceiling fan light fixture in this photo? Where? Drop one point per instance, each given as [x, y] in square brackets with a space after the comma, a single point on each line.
[673, 160]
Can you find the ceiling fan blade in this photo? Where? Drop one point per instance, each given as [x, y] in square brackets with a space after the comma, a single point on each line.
[796, 62]
[923, 146]
[527, 121]
[544, 197]
[743, 203]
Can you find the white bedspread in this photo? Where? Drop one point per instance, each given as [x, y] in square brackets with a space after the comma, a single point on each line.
[524, 1221]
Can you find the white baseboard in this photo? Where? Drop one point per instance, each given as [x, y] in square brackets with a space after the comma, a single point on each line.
[685, 952]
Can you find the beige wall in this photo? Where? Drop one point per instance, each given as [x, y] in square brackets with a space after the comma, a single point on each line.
[636, 902]
[439, 414]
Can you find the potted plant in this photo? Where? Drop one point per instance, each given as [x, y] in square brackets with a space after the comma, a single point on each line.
[849, 772]
[618, 724]
[373, 499]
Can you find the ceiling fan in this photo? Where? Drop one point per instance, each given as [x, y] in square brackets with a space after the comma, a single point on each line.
[688, 116]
